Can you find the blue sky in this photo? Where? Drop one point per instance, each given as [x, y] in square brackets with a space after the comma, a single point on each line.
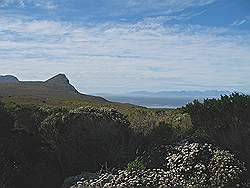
[111, 46]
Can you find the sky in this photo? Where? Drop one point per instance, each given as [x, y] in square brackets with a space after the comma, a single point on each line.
[120, 46]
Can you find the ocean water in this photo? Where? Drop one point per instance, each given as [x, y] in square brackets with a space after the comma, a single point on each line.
[152, 102]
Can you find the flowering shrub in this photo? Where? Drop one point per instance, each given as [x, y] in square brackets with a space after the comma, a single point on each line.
[225, 168]
[186, 164]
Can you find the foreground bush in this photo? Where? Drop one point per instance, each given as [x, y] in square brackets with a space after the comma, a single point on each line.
[87, 138]
[224, 121]
[225, 168]
[26, 161]
[40, 147]
[203, 164]
[186, 164]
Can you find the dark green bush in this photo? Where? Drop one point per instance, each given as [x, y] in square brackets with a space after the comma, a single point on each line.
[26, 161]
[87, 138]
[47, 145]
[224, 121]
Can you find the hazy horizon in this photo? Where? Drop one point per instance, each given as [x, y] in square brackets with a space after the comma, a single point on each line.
[134, 92]
[128, 45]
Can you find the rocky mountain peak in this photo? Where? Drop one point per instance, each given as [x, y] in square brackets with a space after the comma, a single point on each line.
[59, 79]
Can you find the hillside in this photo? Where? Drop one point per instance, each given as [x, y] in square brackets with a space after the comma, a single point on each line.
[56, 87]
[127, 146]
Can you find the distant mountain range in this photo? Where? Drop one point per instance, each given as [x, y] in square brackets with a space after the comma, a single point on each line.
[208, 93]
[163, 99]
[59, 87]
[160, 94]
[55, 87]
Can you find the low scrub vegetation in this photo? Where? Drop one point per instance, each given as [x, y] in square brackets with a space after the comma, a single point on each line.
[204, 143]
[185, 164]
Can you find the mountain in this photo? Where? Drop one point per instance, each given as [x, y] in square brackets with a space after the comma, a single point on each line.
[208, 93]
[56, 87]
[8, 79]
[62, 81]
[162, 99]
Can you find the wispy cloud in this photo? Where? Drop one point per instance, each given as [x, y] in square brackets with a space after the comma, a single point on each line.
[115, 57]
[241, 22]
[171, 5]
[107, 10]
[45, 4]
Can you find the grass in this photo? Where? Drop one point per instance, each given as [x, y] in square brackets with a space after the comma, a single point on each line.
[141, 118]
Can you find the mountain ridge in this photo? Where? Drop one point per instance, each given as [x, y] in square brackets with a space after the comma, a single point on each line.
[62, 80]
[56, 87]
[8, 79]
[177, 93]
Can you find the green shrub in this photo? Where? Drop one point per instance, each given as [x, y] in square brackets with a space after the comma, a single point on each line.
[224, 121]
[186, 165]
[135, 165]
[87, 138]
[192, 164]
[226, 170]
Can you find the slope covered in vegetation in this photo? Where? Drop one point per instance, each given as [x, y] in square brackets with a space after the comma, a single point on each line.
[44, 142]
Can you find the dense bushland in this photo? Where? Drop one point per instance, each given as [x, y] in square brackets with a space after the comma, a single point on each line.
[184, 164]
[225, 122]
[41, 146]
[86, 138]
[26, 161]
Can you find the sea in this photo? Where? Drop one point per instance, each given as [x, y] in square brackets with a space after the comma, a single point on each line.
[153, 102]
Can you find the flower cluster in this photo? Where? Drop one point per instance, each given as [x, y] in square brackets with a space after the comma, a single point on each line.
[187, 164]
